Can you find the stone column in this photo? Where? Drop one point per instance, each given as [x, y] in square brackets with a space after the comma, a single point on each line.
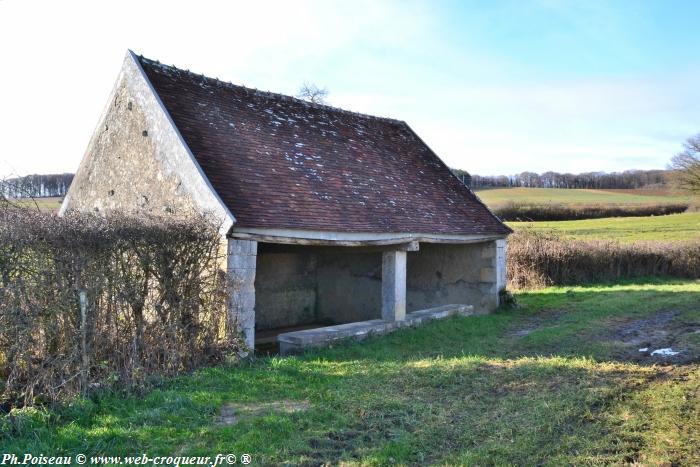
[242, 255]
[501, 247]
[394, 285]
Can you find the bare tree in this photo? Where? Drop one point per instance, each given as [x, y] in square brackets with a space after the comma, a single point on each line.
[686, 166]
[9, 191]
[312, 93]
[36, 186]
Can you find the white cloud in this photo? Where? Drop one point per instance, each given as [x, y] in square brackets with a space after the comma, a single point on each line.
[61, 58]
[479, 110]
[617, 124]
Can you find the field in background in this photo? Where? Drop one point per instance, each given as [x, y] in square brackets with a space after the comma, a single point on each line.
[674, 227]
[497, 197]
[44, 204]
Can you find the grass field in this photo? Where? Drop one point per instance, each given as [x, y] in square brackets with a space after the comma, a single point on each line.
[44, 204]
[559, 381]
[500, 196]
[674, 227]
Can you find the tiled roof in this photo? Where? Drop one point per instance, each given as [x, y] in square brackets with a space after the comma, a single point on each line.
[283, 163]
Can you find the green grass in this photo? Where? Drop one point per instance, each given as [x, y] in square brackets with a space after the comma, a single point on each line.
[499, 196]
[673, 227]
[43, 204]
[540, 385]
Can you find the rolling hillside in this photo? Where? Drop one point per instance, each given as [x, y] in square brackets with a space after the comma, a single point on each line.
[500, 196]
[675, 227]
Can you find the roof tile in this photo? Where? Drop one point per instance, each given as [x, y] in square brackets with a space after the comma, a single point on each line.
[280, 162]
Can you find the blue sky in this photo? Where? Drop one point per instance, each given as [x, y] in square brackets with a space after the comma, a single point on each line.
[492, 87]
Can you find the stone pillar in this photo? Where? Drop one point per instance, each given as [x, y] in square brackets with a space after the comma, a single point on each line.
[488, 276]
[394, 285]
[501, 246]
[242, 255]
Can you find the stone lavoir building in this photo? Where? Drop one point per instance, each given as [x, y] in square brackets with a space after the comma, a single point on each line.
[338, 224]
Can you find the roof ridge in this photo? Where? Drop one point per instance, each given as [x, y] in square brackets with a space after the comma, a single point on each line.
[269, 94]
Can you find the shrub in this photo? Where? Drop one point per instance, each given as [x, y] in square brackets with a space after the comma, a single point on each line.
[564, 212]
[89, 302]
[537, 259]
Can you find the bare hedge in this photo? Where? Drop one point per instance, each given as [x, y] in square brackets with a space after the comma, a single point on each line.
[569, 212]
[87, 302]
[537, 259]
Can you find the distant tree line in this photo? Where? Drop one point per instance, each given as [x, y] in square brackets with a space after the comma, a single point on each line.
[56, 185]
[592, 180]
[36, 186]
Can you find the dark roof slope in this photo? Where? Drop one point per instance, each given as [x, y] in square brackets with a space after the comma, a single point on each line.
[280, 162]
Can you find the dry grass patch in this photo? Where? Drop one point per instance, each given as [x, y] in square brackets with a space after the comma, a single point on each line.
[538, 259]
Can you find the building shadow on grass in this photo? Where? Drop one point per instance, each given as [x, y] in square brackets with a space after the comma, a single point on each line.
[520, 386]
[607, 323]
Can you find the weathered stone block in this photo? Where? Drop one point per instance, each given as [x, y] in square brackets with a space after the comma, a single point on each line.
[241, 275]
[136, 162]
[488, 252]
[242, 247]
[244, 300]
[241, 262]
[297, 341]
[239, 278]
[286, 288]
[394, 285]
[489, 302]
[349, 286]
[487, 275]
[501, 251]
[246, 321]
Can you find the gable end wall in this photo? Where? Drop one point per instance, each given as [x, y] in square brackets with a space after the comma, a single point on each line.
[136, 161]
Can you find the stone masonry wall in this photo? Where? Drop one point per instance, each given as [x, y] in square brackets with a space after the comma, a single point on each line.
[241, 269]
[349, 286]
[285, 286]
[314, 285]
[136, 161]
[122, 171]
[452, 274]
